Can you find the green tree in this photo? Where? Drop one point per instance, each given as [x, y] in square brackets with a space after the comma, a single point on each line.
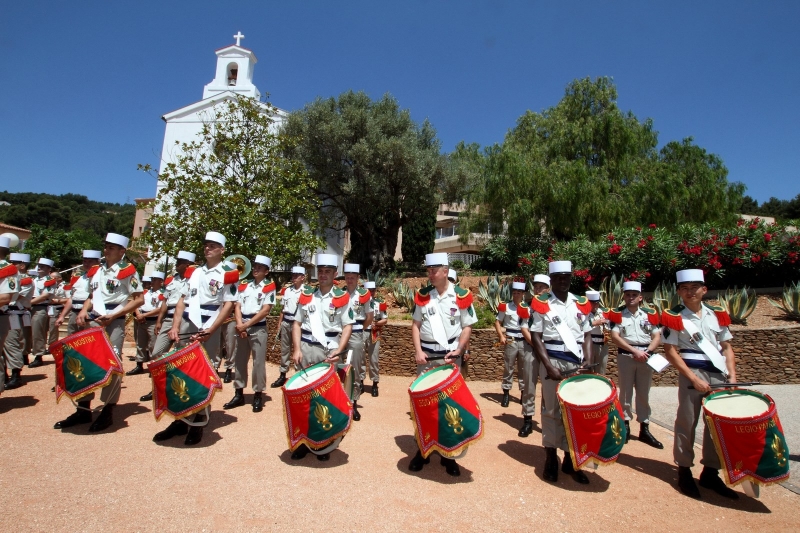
[63, 247]
[584, 166]
[419, 236]
[375, 169]
[235, 180]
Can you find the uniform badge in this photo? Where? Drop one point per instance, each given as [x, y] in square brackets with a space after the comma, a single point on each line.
[332, 312]
[556, 321]
[453, 312]
[213, 287]
[111, 285]
[697, 337]
[260, 297]
[12, 284]
[580, 316]
[134, 283]
[94, 285]
[312, 308]
[193, 293]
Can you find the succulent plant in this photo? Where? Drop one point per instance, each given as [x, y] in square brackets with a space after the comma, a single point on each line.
[403, 295]
[790, 301]
[495, 291]
[611, 292]
[665, 297]
[740, 303]
[379, 280]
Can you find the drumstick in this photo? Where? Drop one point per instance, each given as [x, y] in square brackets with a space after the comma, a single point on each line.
[566, 373]
[728, 385]
[437, 357]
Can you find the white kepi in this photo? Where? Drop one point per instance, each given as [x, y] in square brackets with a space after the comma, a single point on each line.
[188, 256]
[116, 238]
[213, 236]
[327, 260]
[560, 267]
[518, 286]
[298, 270]
[593, 296]
[689, 275]
[91, 254]
[353, 268]
[263, 260]
[542, 278]
[632, 286]
[369, 284]
[437, 259]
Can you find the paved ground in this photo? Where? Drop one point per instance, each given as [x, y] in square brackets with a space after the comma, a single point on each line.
[240, 478]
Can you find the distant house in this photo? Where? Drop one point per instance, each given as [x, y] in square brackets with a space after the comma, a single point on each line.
[4, 203]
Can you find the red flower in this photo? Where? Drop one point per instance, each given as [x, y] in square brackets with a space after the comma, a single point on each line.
[764, 254]
[745, 245]
[610, 237]
[767, 237]
[642, 243]
[740, 222]
[753, 226]
[737, 261]
[638, 228]
[647, 274]
[732, 242]
[652, 226]
[755, 258]
[650, 237]
[615, 249]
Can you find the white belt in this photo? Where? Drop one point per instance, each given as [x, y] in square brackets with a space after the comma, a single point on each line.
[433, 346]
[555, 347]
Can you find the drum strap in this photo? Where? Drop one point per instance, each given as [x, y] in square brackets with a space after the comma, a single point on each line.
[98, 304]
[565, 333]
[436, 320]
[716, 358]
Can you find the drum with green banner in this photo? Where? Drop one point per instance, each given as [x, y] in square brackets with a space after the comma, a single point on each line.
[184, 382]
[446, 416]
[85, 362]
[593, 419]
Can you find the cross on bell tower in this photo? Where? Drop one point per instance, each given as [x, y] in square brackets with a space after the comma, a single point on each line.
[238, 38]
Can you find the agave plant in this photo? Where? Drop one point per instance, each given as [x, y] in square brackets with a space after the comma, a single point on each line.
[494, 292]
[740, 304]
[403, 295]
[611, 292]
[665, 297]
[790, 301]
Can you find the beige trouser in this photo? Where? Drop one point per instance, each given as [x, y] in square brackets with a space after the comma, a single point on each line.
[145, 340]
[162, 343]
[72, 323]
[372, 351]
[634, 375]
[256, 344]
[436, 362]
[5, 327]
[229, 341]
[116, 333]
[53, 336]
[530, 375]
[286, 345]
[690, 402]
[553, 432]
[40, 324]
[211, 344]
[356, 343]
[13, 347]
[313, 354]
[512, 354]
[600, 353]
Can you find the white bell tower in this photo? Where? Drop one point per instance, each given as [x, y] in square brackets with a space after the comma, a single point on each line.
[234, 71]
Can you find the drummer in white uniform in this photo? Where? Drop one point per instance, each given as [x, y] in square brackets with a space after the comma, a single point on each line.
[507, 324]
[562, 342]
[636, 337]
[700, 350]
[79, 290]
[530, 363]
[19, 315]
[442, 324]
[322, 325]
[361, 304]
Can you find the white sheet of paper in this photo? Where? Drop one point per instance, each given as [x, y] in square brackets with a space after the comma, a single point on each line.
[658, 362]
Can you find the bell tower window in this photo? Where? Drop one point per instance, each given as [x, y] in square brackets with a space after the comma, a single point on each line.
[233, 74]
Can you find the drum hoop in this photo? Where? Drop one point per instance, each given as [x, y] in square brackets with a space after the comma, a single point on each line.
[766, 415]
[311, 382]
[442, 384]
[572, 379]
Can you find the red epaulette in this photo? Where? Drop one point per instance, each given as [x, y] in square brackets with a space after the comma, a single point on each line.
[92, 271]
[615, 315]
[26, 281]
[189, 271]
[161, 297]
[126, 271]
[8, 270]
[672, 319]
[463, 297]
[50, 282]
[423, 295]
[723, 317]
[501, 307]
[523, 311]
[168, 281]
[230, 277]
[269, 287]
[540, 304]
[383, 307]
[584, 305]
[283, 291]
[305, 295]
[363, 297]
[652, 315]
[242, 286]
[340, 297]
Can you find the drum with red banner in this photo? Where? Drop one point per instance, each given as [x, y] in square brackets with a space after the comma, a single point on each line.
[748, 437]
[446, 417]
[593, 419]
[184, 382]
[85, 361]
[316, 410]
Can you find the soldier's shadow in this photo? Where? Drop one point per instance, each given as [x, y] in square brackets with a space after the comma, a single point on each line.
[210, 435]
[432, 471]
[494, 397]
[516, 421]
[668, 474]
[7, 403]
[534, 456]
[338, 458]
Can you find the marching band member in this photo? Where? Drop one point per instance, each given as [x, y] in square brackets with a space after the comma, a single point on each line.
[322, 325]
[599, 322]
[372, 338]
[697, 343]
[256, 299]
[57, 302]
[206, 302]
[507, 325]
[115, 292]
[442, 324]
[530, 364]
[289, 297]
[146, 317]
[44, 288]
[229, 340]
[19, 318]
[9, 288]
[634, 331]
[561, 339]
[361, 305]
[79, 290]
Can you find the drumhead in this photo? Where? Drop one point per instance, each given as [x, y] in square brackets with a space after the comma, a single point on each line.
[430, 379]
[301, 378]
[585, 390]
[737, 404]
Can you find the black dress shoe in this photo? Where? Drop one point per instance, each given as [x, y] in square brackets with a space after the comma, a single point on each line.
[324, 457]
[258, 403]
[450, 466]
[195, 433]
[37, 361]
[356, 414]
[104, 420]
[147, 398]
[236, 401]
[417, 462]
[709, 479]
[300, 452]
[550, 465]
[280, 382]
[374, 389]
[228, 376]
[568, 468]
[178, 427]
[81, 416]
[627, 431]
[646, 437]
[527, 426]
[686, 483]
[505, 400]
[16, 380]
[139, 369]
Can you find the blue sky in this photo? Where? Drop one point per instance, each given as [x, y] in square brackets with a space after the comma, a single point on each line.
[84, 84]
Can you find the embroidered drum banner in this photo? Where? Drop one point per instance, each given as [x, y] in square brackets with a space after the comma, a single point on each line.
[85, 362]
[184, 382]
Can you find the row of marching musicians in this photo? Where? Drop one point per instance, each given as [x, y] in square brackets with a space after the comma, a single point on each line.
[557, 327]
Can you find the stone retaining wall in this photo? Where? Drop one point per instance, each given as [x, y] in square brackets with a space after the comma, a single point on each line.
[766, 355]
